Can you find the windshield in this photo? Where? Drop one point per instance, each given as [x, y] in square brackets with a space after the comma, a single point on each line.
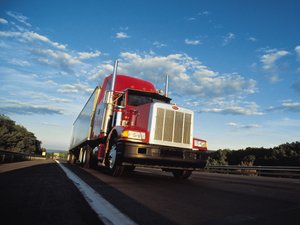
[136, 98]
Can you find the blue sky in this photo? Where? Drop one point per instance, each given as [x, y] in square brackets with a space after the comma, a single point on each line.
[235, 63]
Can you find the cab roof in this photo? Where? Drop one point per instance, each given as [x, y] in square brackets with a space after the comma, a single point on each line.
[124, 82]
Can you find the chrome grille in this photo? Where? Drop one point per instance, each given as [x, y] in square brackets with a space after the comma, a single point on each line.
[172, 126]
[159, 124]
[187, 128]
[168, 127]
[178, 127]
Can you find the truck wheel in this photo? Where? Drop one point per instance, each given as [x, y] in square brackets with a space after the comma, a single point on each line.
[182, 174]
[113, 161]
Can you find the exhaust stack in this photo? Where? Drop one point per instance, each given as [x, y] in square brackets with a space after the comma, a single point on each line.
[114, 75]
[109, 103]
[167, 86]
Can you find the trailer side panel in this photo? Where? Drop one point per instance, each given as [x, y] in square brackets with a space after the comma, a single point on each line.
[82, 127]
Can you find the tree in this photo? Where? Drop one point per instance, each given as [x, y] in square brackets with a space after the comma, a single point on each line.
[287, 154]
[17, 138]
[248, 160]
[219, 157]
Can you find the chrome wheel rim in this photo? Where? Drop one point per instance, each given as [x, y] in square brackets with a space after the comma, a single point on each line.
[112, 156]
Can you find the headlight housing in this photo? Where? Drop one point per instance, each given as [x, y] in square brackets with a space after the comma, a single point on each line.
[200, 143]
[134, 134]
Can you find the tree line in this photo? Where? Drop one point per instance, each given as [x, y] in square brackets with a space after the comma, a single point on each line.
[287, 154]
[16, 138]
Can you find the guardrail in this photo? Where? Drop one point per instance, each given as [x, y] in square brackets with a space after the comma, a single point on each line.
[272, 171]
[8, 156]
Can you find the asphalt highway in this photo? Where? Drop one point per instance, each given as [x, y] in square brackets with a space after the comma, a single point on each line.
[38, 192]
[42, 194]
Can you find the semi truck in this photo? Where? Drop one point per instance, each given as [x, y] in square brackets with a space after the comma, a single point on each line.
[127, 122]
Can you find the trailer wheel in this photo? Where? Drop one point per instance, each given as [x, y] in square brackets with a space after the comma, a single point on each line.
[114, 161]
[182, 174]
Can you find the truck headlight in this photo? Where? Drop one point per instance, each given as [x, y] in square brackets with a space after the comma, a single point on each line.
[134, 134]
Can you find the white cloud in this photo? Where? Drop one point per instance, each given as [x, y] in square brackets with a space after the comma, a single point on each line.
[122, 35]
[269, 59]
[60, 57]
[18, 27]
[88, 55]
[269, 62]
[243, 126]
[297, 49]
[158, 44]
[232, 108]
[43, 96]
[154, 67]
[51, 82]
[10, 34]
[19, 62]
[24, 108]
[226, 85]
[31, 37]
[228, 38]
[19, 17]
[187, 76]
[204, 13]
[232, 124]
[101, 71]
[3, 21]
[252, 39]
[60, 46]
[291, 106]
[287, 105]
[192, 42]
[59, 63]
[75, 88]
[191, 19]
[47, 62]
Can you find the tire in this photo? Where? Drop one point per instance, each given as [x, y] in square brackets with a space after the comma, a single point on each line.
[94, 159]
[182, 174]
[114, 161]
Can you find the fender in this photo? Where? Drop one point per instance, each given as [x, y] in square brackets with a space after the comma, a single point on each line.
[115, 131]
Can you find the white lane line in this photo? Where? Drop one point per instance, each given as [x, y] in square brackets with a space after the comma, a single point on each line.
[105, 210]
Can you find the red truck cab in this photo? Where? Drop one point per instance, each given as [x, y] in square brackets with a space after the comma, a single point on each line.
[131, 124]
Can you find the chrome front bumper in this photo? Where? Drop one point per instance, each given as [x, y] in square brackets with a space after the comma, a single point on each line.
[163, 156]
